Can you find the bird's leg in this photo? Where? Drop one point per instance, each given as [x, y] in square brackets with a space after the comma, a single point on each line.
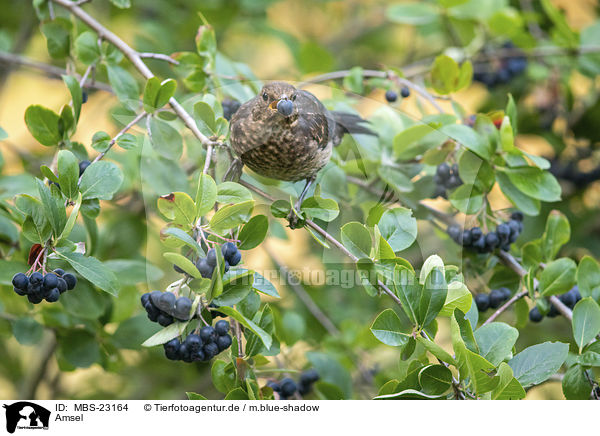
[293, 215]
[234, 172]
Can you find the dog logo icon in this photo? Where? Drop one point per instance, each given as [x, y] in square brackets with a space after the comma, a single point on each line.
[26, 415]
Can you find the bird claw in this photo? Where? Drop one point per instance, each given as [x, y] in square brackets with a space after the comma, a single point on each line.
[295, 220]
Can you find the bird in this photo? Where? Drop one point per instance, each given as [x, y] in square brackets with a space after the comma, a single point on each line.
[287, 134]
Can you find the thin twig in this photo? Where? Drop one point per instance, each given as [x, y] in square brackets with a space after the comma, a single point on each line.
[159, 56]
[124, 130]
[11, 58]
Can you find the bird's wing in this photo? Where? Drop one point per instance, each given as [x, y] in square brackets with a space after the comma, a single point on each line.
[315, 119]
[239, 127]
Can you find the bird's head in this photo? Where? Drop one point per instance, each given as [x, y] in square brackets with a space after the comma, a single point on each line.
[278, 98]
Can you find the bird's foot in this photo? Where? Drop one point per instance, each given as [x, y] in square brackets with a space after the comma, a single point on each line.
[295, 219]
[234, 172]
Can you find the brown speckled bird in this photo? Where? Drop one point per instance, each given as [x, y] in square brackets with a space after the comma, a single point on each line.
[287, 134]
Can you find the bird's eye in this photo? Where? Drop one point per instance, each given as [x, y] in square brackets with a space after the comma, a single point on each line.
[294, 97]
[265, 96]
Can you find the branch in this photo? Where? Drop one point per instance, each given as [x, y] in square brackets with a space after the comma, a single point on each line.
[135, 59]
[11, 58]
[159, 56]
[124, 130]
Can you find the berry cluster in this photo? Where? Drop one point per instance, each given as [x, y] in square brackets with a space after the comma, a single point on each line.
[474, 239]
[40, 287]
[200, 347]
[570, 173]
[206, 265]
[492, 300]
[165, 307]
[569, 299]
[446, 177]
[288, 387]
[229, 107]
[391, 95]
[503, 70]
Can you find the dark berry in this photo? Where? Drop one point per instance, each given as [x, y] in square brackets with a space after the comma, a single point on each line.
[535, 315]
[61, 285]
[199, 356]
[59, 271]
[152, 311]
[506, 293]
[235, 258]
[466, 238]
[491, 240]
[183, 353]
[183, 306]
[215, 313]
[229, 107]
[177, 269]
[70, 279]
[479, 245]
[515, 229]
[503, 232]
[36, 278]
[285, 107]
[166, 302]
[517, 216]
[193, 342]
[287, 387]
[50, 281]
[454, 232]
[453, 182]
[482, 301]
[222, 327]
[228, 249]
[309, 377]
[211, 258]
[274, 385]
[496, 298]
[207, 334]
[155, 297]
[84, 97]
[476, 233]
[391, 96]
[211, 350]
[172, 354]
[204, 268]
[553, 311]
[53, 295]
[34, 289]
[20, 291]
[405, 92]
[568, 299]
[164, 320]
[224, 342]
[576, 293]
[145, 298]
[34, 298]
[173, 344]
[20, 281]
[83, 166]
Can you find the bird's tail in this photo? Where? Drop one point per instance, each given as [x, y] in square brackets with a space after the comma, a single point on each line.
[347, 122]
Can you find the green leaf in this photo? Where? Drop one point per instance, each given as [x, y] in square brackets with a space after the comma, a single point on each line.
[165, 139]
[101, 180]
[264, 336]
[435, 379]
[253, 232]
[412, 13]
[436, 350]
[194, 396]
[508, 387]
[206, 195]
[399, 228]
[558, 277]
[537, 363]
[467, 198]
[264, 320]
[468, 138]
[444, 74]
[184, 263]
[586, 321]
[408, 144]
[101, 141]
[125, 86]
[557, 234]
[223, 376]
[588, 278]
[68, 173]
[231, 193]
[133, 271]
[27, 331]
[397, 180]
[388, 328]
[86, 48]
[55, 212]
[432, 298]
[93, 270]
[165, 335]
[205, 117]
[231, 216]
[495, 341]
[72, 219]
[79, 347]
[127, 141]
[356, 238]
[458, 297]
[57, 33]
[526, 204]
[178, 207]
[43, 124]
[534, 182]
[408, 291]
[185, 238]
[325, 209]
[76, 95]
[264, 286]
[575, 384]
[166, 91]
[150, 93]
